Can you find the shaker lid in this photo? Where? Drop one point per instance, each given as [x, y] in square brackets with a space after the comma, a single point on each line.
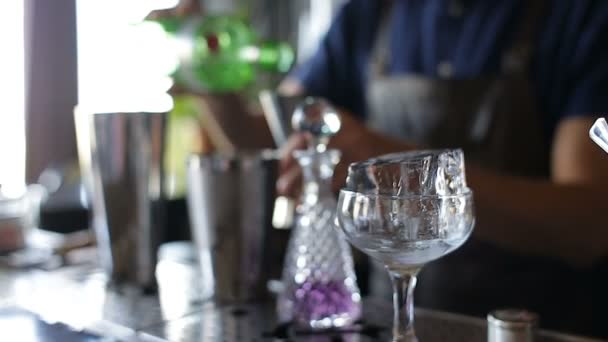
[239, 160]
[513, 319]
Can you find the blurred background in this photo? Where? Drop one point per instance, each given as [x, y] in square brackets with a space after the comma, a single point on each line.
[213, 66]
[61, 53]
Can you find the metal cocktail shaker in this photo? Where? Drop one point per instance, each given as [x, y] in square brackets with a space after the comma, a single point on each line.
[121, 157]
[230, 201]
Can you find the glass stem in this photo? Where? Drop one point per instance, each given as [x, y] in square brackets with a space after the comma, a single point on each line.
[404, 282]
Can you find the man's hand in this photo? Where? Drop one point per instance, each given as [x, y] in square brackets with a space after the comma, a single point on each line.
[354, 140]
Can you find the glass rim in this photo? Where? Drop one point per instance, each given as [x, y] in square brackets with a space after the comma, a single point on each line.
[417, 153]
[468, 192]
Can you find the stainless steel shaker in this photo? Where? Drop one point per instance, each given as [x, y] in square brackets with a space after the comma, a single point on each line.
[512, 325]
[230, 202]
[122, 159]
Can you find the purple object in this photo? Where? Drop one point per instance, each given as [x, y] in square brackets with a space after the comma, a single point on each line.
[315, 301]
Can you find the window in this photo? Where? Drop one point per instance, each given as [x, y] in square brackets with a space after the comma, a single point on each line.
[12, 88]
[122, 65]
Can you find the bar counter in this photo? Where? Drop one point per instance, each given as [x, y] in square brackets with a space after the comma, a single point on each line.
[74, 301]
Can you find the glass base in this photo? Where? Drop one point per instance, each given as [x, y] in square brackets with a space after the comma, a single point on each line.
[407, 338]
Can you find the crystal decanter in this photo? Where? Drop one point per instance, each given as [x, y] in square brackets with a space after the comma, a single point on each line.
[320, 287]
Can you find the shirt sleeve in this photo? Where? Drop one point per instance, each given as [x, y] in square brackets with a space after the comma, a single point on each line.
[586, 72]
[323, 73]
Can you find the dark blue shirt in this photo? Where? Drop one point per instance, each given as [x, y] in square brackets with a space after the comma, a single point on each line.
[569, 68]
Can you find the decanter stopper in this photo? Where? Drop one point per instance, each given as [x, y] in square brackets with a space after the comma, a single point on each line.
[318, 118]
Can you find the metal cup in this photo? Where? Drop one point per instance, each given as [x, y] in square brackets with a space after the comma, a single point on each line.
[121, 156]
[230, 201]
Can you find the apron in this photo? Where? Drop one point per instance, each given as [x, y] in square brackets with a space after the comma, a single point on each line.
[497, 122]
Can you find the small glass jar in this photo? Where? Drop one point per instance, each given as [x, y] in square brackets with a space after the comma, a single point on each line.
[12, 224]
[18, 214]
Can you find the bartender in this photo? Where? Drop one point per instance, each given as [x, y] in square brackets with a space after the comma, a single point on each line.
[515, 83]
